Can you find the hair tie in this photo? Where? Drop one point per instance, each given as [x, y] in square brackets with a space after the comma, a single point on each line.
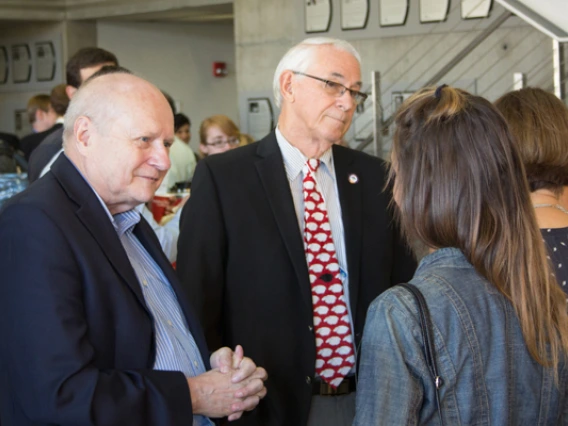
[438, 92]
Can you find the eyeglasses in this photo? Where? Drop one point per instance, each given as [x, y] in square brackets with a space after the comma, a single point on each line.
[221, 143]
[336, 89]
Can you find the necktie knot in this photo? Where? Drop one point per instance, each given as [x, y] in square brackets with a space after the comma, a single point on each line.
[313, 164]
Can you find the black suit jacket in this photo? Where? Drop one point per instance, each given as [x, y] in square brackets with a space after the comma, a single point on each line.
[11, 140]
[241, 257]
[30, 142]
[43, 154]
[77, 340]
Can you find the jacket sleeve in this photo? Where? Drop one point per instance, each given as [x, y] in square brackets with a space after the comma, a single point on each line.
[202, 253]
[389, 389]
[44, 338]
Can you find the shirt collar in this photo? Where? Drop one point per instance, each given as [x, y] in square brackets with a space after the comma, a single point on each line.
[294, 160]
[126, 220]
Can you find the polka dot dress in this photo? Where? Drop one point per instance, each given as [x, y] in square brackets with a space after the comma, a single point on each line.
[556, 241]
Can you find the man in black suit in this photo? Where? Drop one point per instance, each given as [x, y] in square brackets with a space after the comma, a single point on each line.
[96, 329]
[241, 251]
[80, 67]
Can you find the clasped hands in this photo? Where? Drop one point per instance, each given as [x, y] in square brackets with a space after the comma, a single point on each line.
[234, 385]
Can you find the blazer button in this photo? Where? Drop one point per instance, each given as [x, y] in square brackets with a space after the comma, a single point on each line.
[308, 380]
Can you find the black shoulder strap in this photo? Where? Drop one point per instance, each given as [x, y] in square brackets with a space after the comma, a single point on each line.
[428, 337]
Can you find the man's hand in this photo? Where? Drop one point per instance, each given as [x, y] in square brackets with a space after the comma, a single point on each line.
[233, 386]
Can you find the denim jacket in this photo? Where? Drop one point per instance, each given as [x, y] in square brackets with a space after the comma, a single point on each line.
[489, 377]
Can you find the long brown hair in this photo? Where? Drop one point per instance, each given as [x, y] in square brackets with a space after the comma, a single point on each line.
[539, 122]
[459, 182]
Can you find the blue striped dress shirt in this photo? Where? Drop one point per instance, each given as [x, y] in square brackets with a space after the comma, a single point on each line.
[294, 161]
[176, 349]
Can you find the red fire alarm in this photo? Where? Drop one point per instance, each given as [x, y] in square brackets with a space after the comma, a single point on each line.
[219, 69]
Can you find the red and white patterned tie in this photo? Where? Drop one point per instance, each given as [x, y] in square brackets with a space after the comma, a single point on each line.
[334, 344]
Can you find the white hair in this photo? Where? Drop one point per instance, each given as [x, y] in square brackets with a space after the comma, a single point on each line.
[91, 103]
[300, 57]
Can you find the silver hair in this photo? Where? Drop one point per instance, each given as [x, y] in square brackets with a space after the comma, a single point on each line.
[300, 57]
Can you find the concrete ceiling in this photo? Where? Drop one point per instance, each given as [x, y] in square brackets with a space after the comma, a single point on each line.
[194, 11]
[221, 13]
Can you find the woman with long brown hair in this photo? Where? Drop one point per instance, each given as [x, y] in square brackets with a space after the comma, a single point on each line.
[499, 320]
[538, 121]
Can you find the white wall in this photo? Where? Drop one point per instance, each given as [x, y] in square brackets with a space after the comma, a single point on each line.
[67, 37]
[15, 96]
[178, 59]
[407, 57]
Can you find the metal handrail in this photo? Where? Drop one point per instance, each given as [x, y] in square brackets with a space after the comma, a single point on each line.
[447, 68]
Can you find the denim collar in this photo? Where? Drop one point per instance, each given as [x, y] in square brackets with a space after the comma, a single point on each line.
[448, 256]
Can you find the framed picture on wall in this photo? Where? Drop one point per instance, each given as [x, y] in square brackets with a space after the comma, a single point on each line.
[318, 15]
[392, 12]
[434, 10]
[3, 65]
[44, 61]
[472, 9]
[354, 14]
[260, 117]
[21, 63]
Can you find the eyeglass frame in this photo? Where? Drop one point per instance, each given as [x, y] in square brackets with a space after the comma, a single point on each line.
[223, 142]
[354, 93]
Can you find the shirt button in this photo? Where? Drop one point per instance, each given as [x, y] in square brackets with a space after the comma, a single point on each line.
[195, 363]
[145, 283]
[308, 380]
[310, 327]
[170, 323]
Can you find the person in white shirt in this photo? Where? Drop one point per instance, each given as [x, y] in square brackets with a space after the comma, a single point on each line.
[182, 157]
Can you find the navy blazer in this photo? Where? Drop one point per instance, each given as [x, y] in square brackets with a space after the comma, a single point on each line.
[43, 153]
[77, 340]
[241, 256]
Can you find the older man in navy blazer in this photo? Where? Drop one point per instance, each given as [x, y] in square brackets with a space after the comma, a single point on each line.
[95, 327]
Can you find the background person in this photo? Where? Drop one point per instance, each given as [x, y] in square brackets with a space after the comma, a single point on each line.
[539, 122]
[182, 127]
[499, 319]
[42, 117]
[83, 64]
[182, 157]
[218, 134]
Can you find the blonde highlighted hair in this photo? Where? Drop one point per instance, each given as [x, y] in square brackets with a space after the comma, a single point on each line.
[223, 122]
[459, 181]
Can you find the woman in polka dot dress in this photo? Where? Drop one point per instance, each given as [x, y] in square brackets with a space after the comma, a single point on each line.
[539, 123]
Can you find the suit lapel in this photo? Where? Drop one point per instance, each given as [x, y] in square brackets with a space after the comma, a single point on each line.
[351, 200]
[277, 188]
[95, 219]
